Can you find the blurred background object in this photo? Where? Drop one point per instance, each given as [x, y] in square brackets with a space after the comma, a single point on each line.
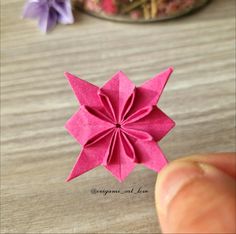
[49, 12]
[139, 10]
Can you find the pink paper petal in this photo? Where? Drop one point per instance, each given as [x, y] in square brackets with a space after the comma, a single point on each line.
[149, 93]
[120, 165]
[107, 106]
[156, 123]
[83, 125]
[85, 92]
[150, 155]
[100, 113]
[110, 149]
[118, 90]
[90, 157]
[128, 147]
[128, 106]
[139, 114]
[137, 134]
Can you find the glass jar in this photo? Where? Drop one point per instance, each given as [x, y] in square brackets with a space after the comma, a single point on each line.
[139, 10]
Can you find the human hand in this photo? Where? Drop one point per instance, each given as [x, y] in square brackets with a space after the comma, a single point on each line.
[197, 194]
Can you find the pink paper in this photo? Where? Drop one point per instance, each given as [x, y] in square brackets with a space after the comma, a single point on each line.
[119, 125]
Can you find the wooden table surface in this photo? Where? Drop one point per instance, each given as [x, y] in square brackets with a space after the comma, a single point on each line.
[36, 101]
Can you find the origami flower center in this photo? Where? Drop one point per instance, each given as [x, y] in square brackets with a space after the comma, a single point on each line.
[118, 125]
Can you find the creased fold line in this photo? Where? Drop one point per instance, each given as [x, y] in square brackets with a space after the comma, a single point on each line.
[110, 150]
[84, 125]
[137, 134]
[118, 90]
[120, 164]
[139, 114]
[107, 105]
[156, 123]
[128, 106]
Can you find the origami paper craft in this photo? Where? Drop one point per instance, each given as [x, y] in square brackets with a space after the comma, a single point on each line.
[119, 124]
[49, 12]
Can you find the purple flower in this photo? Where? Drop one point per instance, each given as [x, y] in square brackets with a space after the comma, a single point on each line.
[49, 12]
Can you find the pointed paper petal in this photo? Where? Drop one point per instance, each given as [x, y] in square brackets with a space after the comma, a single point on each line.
[120, 165]
[32, 9]
[150, 155]
[47, 19]
[157, 124]
[90, 157]
[149, 93]
[156, 85]
[64, 11]
[118, 89]
[85, 92]
[83, 125]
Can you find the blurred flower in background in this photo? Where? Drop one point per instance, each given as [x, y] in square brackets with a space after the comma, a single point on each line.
[49, 12]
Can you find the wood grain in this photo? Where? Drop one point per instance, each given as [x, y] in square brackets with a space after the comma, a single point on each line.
[37, 152]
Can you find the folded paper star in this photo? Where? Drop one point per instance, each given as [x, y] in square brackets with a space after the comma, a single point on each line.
[119, 125]
[49, 12]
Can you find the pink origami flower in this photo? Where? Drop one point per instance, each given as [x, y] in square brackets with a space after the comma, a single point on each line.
[119, 124]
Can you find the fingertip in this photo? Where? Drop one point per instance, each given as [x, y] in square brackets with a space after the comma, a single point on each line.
[193, 196]
[171, 179]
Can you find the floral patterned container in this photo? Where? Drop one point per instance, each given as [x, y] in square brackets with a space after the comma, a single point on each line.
[139, 10]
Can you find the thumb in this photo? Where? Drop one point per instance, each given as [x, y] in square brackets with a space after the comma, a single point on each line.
[198, 195]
